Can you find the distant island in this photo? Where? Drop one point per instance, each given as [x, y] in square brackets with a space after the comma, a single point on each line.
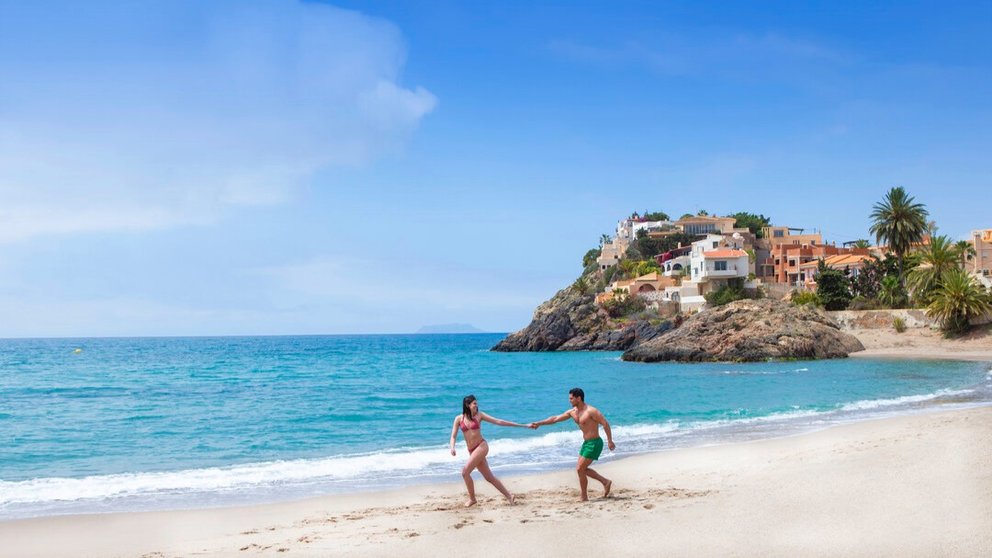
[450, 328]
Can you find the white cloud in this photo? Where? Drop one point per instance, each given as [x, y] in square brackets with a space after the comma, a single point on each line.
[133, 119]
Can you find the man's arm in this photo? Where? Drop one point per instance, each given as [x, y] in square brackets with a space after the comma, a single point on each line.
[601, 419]
[552, 419]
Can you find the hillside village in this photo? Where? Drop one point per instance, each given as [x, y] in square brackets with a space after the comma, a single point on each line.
[712, 253]
[656, 276]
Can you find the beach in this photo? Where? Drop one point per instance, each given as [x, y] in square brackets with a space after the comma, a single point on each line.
[924, 343]
[915, 485]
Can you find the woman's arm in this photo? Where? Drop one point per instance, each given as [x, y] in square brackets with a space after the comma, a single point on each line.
[500, 422]
[454, 432]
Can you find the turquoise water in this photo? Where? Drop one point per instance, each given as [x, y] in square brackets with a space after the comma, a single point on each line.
[125, 424]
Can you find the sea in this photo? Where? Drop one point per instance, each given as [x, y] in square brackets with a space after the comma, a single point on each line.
[125, 424]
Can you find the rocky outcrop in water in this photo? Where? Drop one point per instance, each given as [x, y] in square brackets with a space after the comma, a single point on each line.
[749, 330]
[572, 322]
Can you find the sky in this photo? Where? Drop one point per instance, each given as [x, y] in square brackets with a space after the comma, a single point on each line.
[264, 167]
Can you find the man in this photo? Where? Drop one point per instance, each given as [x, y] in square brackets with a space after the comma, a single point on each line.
[588, 418]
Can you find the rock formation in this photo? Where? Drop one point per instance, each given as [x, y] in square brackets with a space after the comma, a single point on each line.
[749, 330]
[572, 322]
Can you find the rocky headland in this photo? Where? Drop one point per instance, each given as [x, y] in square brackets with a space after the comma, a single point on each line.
[571, 321]
[750, 330]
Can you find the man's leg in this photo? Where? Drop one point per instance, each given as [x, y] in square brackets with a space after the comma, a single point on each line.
[582, 468]
[607, 483]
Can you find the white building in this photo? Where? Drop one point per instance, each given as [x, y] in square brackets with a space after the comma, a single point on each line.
[713, 262]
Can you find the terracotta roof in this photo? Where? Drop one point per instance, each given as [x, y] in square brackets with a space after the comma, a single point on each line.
[724, 253]
[838, 260]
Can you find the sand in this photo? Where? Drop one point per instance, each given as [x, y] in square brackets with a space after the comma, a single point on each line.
[917, 485]
[924, 343]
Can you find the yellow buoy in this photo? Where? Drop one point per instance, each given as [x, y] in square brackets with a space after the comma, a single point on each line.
[77, 351]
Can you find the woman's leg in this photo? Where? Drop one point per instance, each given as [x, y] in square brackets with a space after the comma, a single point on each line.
[478, 456]
[487, 473]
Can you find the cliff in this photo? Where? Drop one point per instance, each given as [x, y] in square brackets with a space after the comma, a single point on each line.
[572, 322]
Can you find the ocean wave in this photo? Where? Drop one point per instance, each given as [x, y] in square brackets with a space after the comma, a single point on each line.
[745, 372]
[397, 463]
[773, 417]
[868, 404]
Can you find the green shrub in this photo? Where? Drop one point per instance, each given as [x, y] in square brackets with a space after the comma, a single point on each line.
[899, 324]
[590, 257]
[806, 297]
[862, 303]
[581, 286]
[833, 287]
[733, 290]
[624, 306]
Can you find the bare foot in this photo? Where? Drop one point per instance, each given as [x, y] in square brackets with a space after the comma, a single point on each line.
[606, 488]
[470, 503]
[512, 499]
[583, 498]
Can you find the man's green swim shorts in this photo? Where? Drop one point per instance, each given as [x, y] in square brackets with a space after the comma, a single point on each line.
[592, 448]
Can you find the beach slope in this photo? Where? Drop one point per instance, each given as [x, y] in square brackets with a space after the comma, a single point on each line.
[917, 485]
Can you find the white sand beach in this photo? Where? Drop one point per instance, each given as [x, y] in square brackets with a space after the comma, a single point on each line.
[924, 343]
[917, 485]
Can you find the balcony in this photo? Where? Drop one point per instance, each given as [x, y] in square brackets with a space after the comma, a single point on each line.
[731, 271]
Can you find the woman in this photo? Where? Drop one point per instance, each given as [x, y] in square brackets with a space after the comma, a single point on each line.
[470, 423]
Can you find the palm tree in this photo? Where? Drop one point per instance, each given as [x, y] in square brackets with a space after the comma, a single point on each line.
[891, 294]
[936, 259]
[861, 243]
[605, 239]
[581, 286]
[965, 250]
[958, 300]
[900, 222]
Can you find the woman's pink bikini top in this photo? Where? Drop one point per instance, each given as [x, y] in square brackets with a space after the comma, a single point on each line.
[470, 425]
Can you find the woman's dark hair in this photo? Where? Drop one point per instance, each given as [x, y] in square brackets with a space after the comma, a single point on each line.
[578, 393]
[466, 411]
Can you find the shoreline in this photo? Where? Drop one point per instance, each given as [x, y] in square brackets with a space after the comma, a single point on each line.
[877, 487]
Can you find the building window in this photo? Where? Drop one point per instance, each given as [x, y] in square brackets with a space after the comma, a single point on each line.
[715, 243]
[720, 265]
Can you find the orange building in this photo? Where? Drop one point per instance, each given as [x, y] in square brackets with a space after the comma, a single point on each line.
[851, 264]
[788, 259]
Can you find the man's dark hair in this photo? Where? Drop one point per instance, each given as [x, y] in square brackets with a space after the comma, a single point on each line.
[578, 393]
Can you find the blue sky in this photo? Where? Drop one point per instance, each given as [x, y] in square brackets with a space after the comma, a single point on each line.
[276, 167]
